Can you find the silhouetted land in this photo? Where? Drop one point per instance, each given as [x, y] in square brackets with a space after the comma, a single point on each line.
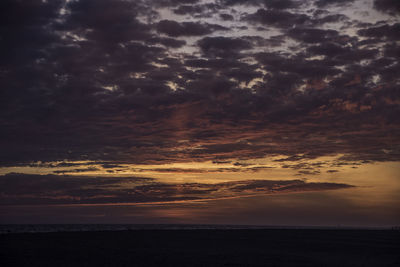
[203, 248]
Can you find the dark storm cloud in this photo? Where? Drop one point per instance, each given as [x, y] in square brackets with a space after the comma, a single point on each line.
[223, 46]
[99, 80]
[20, 189]
[281, 4]
[325, 3]
[237, 2]
[189, 10]
[24, 32]
[78, 170]
[118, 24]
[286, 19]
[336, 18]
[226, 16]
[205, 170]
[311, 35]
[215, 63]
[168, 3]
[295, 68]
[332, 171]
[168, 42]
[328, 49]
[198, 11]
[175, 29]
[389, 6]
[388, 32]
[342, 55]
[279, 18]
[272, 4]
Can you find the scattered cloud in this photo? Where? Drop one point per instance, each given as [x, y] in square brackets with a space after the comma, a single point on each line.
[122, 82]
[22, 189]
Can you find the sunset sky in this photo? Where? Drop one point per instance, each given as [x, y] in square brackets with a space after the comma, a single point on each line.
[265, 112]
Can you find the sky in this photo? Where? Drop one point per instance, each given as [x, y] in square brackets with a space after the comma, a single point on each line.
[262, 112]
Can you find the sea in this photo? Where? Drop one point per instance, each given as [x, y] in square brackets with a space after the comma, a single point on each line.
[48, 228]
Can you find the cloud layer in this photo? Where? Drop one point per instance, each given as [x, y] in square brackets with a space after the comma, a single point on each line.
[121, 81]
[23, 189]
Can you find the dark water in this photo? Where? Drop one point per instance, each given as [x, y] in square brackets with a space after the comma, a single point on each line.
[196, 245]
[49, 228]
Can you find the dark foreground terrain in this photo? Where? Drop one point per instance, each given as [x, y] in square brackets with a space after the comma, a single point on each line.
[203, 248]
